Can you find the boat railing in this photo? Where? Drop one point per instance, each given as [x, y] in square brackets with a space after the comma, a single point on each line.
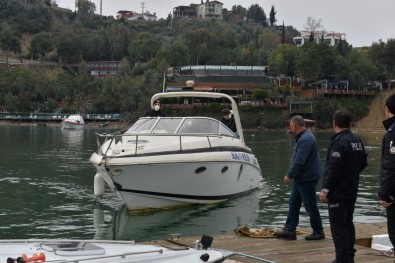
[116, 137]
[123, 255]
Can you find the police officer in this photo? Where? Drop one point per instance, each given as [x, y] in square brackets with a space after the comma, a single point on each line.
[346, 158]
[387, 172]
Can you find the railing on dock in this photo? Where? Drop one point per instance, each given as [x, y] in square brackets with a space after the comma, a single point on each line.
[55, 117]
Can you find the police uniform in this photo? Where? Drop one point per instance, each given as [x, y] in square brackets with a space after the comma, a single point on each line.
[387, 174]
[345, 160]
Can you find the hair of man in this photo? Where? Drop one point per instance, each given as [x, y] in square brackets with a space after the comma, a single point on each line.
[390, 103]
[342, 119]
[298, 121]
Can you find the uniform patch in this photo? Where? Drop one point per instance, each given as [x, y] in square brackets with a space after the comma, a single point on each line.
[392, 150]
[336, 154]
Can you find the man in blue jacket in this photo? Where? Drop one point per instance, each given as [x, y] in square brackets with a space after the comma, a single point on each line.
[304, 173]
[345, 160]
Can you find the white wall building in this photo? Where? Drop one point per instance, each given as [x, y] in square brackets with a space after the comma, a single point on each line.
[329, 38]
[210, 9]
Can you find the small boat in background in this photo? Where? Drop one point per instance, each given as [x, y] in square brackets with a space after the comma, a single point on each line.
[75, 122]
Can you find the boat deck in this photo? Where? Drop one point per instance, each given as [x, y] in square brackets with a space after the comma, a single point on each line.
[279, 250]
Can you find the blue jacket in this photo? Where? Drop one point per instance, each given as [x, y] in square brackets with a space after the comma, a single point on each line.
[305, 164]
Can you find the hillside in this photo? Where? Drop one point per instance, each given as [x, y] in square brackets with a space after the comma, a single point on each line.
[374, 120]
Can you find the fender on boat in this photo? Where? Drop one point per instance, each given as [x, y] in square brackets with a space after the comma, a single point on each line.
[98, 185]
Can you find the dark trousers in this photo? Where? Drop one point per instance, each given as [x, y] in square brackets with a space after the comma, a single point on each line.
[391, 223]
[303, 192]
[342, 229]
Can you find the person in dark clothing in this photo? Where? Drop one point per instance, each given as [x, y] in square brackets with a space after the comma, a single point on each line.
[345, 160]
[156, 111]
[228, 120]
[387, 171]
[305, 171]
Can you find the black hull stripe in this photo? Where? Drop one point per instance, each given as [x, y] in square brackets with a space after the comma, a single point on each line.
[201, 150]
[190, 197]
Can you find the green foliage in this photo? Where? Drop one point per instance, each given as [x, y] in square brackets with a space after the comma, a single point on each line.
[272, 16]
[260, 94]
[255, 13]
[9, 41]
[41, 43]
[147, 48]
[324, 108]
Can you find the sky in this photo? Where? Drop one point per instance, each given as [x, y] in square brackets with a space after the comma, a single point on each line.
[363, 21]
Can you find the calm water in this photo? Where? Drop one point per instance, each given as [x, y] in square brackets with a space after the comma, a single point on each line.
[46, 190]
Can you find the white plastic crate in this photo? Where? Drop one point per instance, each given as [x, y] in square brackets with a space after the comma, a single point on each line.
[381, 242]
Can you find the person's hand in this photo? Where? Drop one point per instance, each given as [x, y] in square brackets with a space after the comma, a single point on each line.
[323, 197]
[384, 204]
[287, 180]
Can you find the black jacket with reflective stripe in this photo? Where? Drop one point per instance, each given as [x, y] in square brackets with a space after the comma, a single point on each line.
[346, 158]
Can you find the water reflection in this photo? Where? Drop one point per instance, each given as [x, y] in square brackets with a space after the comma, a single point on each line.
[190, 220]
[46, 188]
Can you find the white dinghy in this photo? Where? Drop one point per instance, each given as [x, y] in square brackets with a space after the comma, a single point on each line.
[74, 122]
[100, 251]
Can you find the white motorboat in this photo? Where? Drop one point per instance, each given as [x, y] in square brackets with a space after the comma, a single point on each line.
[101, 251]
[173, 161]
[75, 122]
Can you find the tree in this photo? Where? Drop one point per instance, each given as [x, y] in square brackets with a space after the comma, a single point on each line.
[86, 7]
[9, 41]
[177, 55]
[361, 69]
[260, 94]
[316, 61]
[144, 47]
[283, 59]
[315, 27]
[41, 44]
[272, 16]
[239, 11]
[255, 13]
[382, 55]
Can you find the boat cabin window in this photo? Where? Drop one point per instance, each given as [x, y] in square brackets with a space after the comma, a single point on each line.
[166, 126]
[143, 125]
[191, 125]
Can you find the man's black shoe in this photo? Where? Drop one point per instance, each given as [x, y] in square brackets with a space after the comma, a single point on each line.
[315, 236]
[286, 235]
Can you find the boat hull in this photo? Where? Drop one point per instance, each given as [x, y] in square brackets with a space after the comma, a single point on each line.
[156, 182]
[72, 126]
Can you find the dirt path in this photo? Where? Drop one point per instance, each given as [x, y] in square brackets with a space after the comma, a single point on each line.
[374, 121]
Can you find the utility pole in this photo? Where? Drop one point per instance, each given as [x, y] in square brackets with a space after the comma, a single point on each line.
[101, 9]
[142, 7]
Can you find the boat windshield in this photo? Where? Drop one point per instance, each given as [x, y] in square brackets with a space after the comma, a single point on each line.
[189, 125]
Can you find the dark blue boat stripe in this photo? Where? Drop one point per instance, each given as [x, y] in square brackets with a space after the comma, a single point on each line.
[190, 197]
[202, 150]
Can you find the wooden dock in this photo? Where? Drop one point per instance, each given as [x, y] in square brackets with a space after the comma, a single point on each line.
[250, 250]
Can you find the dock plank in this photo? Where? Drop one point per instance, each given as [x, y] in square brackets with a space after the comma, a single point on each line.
[296, 251]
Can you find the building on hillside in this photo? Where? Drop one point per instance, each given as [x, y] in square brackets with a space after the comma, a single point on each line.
[103, 69]
[208, 9]
[185, 11]
[124, 14]
[211, 9]
[330, 38]
[236, 81]
[130, 15]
